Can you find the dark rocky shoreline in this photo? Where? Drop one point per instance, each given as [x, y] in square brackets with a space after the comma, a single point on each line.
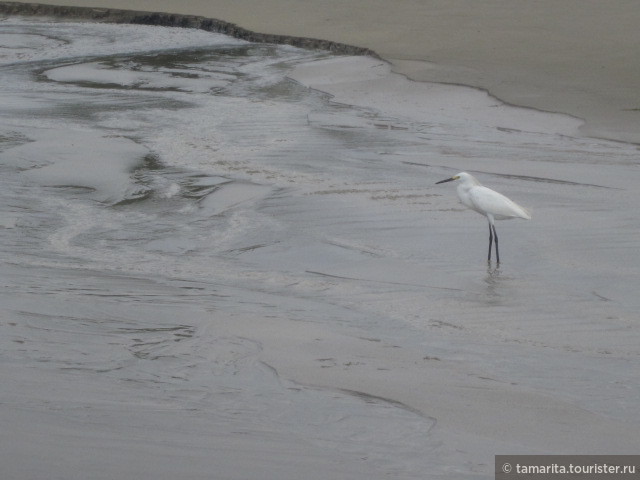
[108, 15]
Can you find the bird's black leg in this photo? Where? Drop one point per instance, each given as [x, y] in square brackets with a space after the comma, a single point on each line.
[490, 242]
[495, 237]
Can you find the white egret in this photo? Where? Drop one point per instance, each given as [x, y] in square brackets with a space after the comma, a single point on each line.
[487, 202]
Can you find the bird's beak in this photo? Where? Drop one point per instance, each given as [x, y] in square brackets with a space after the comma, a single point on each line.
[447, 180]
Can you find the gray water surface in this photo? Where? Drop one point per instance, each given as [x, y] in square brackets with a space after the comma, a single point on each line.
[156, 180]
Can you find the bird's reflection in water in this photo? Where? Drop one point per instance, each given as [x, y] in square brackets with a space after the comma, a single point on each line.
[493, 281]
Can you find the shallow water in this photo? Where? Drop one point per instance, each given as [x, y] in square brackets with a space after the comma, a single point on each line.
[156, 180]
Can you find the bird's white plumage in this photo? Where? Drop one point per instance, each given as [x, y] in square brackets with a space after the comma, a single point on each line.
[484, 200]
[487, 202]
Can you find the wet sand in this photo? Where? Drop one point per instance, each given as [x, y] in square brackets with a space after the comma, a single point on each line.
[567, 56]
[467, 402]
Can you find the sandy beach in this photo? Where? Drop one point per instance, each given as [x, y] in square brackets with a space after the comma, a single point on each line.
[567, 56]
[344, 310]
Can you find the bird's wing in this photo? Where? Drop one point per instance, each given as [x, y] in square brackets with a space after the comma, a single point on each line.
[489, 201]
